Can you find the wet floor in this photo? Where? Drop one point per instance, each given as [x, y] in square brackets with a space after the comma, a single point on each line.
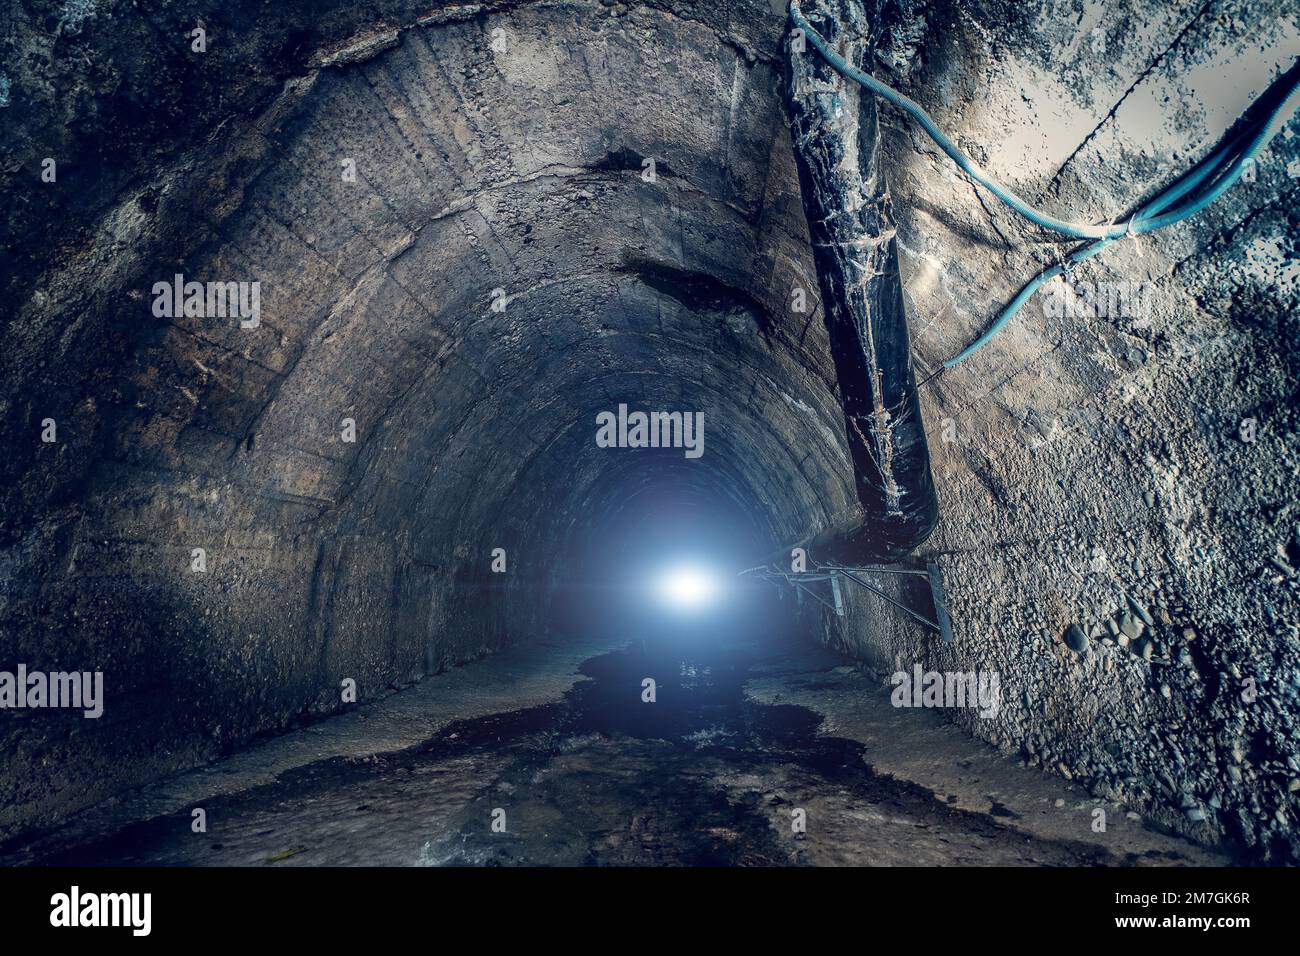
[700, 775]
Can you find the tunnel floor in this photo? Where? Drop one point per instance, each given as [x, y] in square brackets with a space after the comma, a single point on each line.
[707, 774]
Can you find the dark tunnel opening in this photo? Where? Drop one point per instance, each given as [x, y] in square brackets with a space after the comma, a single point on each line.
[658, 557]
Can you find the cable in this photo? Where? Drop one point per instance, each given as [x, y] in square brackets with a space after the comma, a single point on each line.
[1189, 194]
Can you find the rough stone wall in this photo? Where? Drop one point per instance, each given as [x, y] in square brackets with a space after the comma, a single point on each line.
[1095, 470]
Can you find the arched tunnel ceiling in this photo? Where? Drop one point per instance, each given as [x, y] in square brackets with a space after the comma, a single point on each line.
[377, 294]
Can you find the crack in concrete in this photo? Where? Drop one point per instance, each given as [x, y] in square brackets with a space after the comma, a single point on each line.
[1054, 184]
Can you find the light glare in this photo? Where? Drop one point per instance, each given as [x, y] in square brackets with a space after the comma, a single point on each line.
[687, 587]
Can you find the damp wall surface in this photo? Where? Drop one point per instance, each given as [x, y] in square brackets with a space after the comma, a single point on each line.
[1099, 465]
[349, 465]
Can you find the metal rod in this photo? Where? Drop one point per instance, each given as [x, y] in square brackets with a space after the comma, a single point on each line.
[906, 610]
[814, 595]
[840, 567]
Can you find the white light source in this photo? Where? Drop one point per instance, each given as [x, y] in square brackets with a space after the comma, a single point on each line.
[687, 586]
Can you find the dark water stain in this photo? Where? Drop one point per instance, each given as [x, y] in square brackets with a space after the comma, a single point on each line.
[602, 777]
[1001, 810]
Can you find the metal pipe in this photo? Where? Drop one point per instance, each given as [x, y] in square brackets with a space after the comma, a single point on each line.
[902, 607]
[835, 131]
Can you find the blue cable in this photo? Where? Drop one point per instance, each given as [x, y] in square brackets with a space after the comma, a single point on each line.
[1189, 182]
[1216, 174]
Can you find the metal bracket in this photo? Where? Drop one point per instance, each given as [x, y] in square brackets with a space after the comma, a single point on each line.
[833, 573]
[940, 602]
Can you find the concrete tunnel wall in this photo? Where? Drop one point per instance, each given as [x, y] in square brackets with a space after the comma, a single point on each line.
[477, 170]
[481, 169]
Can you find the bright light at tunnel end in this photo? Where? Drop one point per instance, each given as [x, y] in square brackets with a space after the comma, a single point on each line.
[688, 587]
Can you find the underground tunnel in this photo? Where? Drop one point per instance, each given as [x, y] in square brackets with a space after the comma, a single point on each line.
[548, 433]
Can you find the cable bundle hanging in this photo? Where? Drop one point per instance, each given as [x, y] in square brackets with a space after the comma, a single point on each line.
[1184, 197]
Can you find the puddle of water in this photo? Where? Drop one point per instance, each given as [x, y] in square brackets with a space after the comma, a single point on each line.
[701, 776]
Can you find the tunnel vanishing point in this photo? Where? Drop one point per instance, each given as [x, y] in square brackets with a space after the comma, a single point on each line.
[327, 327]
